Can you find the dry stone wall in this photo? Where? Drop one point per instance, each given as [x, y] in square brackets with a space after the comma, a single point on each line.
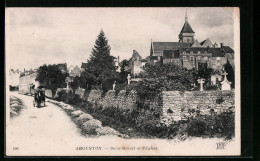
[173, 105]
[178, 105]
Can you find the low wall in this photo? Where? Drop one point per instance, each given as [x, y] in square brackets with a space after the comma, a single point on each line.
[177, 105]
[173, 105]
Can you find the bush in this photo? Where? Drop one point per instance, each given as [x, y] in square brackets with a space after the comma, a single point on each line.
[197, 127]
[90, 126]
[221, 124]
[68, 97]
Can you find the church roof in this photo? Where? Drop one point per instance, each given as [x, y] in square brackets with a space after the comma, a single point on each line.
[227, 49]
[206, 43]
[187, 28]
[195, 44]
[160, 46]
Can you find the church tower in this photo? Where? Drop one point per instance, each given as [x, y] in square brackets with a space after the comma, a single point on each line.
[186, 34]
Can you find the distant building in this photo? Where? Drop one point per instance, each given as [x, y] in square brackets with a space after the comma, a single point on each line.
[75, 72]
[27, 81]
[190, 53]
[14, 77]
[117, 64]
[136, 64]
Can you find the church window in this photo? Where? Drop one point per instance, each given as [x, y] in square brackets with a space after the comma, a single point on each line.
[191, 58]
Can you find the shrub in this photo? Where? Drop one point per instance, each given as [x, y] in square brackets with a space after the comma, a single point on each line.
[90, 126]
[196, 127]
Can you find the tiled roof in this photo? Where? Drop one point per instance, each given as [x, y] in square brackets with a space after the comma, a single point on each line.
[135, 56]
[153, 57]
[160, 46]
[205, 42]
[187, 28]
[195, 44]
[227, 49]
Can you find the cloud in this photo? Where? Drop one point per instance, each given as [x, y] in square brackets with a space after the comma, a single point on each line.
[55, 35]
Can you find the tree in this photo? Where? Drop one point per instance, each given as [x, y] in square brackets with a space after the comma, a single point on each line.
[51, 76]
[101, 62]
[170, 76]
[123, 69]
[231, 74]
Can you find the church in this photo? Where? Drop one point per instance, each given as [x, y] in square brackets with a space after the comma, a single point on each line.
[189, 53]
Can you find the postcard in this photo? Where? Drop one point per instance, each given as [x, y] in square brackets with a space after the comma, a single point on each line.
[123, 81]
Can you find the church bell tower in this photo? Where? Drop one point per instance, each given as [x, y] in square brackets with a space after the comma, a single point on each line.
[186, 34]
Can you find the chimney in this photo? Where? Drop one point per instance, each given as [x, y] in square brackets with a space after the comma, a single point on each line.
[221, 45]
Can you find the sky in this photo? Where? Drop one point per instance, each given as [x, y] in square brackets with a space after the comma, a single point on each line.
[37, 36]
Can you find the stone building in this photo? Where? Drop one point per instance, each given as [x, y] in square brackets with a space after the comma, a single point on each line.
[190, 53]
[136, 64]
[75, 71]
[27, 81]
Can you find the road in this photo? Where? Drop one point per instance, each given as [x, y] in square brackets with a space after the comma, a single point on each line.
[45, 128]
[48, 131]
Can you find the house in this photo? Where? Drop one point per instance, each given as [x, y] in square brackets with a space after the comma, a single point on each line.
[136, 64]
[75, 71]
[28, 82]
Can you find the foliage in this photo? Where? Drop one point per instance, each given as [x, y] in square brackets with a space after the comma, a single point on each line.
[169, 76]
[51, 76]
[222, 124]
[75, 83]
[124, 71]
[231, 74]
[100, 62]
[68, 97]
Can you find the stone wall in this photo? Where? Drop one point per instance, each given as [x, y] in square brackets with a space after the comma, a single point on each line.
[178, 105]
[173, 105]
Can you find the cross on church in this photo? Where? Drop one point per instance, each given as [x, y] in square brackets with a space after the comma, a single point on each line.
[114, 85]
[68, 80]
[201, 81]
[225, 75]
[128, 78]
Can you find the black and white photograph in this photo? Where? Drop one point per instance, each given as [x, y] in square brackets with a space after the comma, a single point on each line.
[122, 81]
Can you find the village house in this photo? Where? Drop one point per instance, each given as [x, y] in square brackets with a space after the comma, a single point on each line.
[75, 71]
[27, 81]
[136, 64]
